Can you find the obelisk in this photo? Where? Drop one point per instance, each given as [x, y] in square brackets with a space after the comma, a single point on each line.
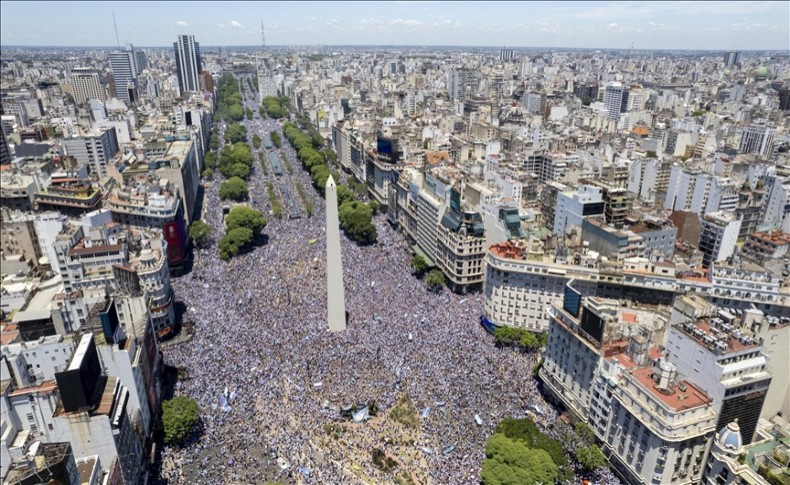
[336, 297]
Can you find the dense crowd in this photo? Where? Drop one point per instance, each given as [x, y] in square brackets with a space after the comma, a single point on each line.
[268, 375]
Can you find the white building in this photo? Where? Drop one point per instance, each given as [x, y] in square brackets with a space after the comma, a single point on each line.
[718, 236]
[757, 138]
[574, 206]
[87, 85]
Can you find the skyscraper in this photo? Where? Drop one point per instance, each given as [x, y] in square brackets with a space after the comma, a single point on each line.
[5, 153]
[757, 138]
[731, 58]
[615, 98]
[124, 74]
[188, 63]
[87, 85]
[336, 298]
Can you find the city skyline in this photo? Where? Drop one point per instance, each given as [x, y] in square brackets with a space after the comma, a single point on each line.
[604, 25]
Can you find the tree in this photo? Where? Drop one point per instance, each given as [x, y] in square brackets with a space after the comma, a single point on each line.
[510, 462]
[200, 233]
[234, 189]
[179, 416]
[210, 160]
[208, 173]
[276, 140]
[375, 206]
[234, 241]
[239, 170]
[584, 433]
[344, 194]
[241, 216]
[651, 154]
[435, 279]
[235, 133]
[256, 141]
[526, 430]
[419, 265]
[591, 458]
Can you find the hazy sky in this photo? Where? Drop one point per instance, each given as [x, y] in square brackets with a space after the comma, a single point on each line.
[649, 25]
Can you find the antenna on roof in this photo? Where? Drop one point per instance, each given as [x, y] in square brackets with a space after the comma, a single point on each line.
[117, 42]
[263, 39]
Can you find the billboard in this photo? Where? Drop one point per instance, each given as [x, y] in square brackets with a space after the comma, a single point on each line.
[79, 384]
[434, 185]
[387, 149]
[175, 236]
[592, 325]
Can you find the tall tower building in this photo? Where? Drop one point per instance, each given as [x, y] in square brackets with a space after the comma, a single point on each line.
[5, 153]
[124, 74]
[87, 85]
[615, 98]
[336, 298]
[757, 138]
[188, 63]
[731, 58]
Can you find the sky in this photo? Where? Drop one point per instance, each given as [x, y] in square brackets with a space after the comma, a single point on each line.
[606, 25]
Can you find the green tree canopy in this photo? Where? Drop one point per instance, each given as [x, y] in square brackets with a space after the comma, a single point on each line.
[256, 141]
[234, 241]
[434, 279]
[344, 194]
[525, 430]
[418, 265]
[276, 140]
[179, 416]
[356, 221]
[200, 233]
[239, 170]
[241, 216]
[210, 160]
[207, 174]
[235, 133]
[591, 458]
[510, 462]
[234, 189]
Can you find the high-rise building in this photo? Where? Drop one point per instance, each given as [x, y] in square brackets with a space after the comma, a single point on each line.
[784, 99]
[188, 63]
[95, 151]
[757, 138]
[87, 85]
[732, 58]
[462, 82]
[718, 237]
[5, 153]
[206, 82]
[124, 74]
[507, 55]
[615, 98]
[722, 356]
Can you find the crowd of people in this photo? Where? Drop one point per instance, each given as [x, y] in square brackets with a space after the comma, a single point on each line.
[261, 337]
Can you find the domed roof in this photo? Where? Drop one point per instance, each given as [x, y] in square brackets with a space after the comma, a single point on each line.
[762, 71]
[729, 438]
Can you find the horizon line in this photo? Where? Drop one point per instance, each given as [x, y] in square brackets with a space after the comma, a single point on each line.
[109, 47]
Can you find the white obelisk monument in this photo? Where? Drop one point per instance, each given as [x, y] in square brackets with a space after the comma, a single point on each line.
[336, 297]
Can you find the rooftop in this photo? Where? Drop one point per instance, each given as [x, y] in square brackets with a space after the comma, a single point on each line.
[681, 397]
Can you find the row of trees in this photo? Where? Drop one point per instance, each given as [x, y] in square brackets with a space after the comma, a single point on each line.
[243, 226]
[433, 278]
[235, 188]
[229, 102]
[356, 217]
[276, 107]
[276, 140]
[519, 337]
